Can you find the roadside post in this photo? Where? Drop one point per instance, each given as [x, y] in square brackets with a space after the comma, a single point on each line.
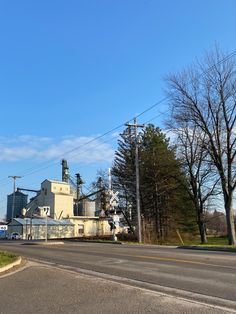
[113, 203]
[47, 212]
[115, 218]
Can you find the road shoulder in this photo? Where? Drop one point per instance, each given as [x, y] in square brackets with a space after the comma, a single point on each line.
[74, 292]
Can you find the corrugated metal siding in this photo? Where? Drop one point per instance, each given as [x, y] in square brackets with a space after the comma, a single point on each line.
[38, 221]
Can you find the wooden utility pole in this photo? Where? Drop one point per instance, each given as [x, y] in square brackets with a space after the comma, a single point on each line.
[14, 191]
[136, 126]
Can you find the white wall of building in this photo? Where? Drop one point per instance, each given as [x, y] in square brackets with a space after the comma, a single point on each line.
[80, 227]
[90, 226]
[56, 195]
[38, 230]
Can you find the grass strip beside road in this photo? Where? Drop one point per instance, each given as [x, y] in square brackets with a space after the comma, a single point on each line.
[229, 248]
[213, 243]
[7, 258]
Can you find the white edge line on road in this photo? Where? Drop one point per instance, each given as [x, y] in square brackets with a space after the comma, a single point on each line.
[168, 292]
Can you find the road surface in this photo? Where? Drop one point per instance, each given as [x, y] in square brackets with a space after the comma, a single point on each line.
[199, 276]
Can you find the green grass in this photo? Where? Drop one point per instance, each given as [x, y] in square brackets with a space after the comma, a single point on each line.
[213, 242]
[6, 258]
[216, 241]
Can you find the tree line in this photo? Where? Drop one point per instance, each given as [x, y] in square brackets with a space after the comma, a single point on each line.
[182, 178]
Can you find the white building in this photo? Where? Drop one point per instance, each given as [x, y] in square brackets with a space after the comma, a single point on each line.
[59, 197]
[36, 228]
[55, 194]
[75, 227]
[88, 226]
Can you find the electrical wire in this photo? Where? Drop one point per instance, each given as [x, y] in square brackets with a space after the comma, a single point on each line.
[49, 164]
[38, 169]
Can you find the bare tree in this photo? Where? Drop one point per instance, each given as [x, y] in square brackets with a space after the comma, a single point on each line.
[205, 96]
[201, 178]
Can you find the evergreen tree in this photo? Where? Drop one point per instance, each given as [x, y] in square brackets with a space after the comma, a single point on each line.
[123, 171]
[164, 202]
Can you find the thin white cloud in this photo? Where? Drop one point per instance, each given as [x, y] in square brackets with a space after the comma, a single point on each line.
[81, 149]
[16, 153]
[33, 139]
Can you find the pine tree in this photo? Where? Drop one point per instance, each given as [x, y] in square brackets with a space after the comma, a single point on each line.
[163, 196]
[164, 202]
[123, 171]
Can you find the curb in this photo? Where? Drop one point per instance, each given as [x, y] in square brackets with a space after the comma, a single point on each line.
[154, 246]
[52, 243]
[9, 266]
[44, 243]
[220, 249]
[100, 242]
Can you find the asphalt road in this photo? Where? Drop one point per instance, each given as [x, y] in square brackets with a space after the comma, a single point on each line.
[201, 276]
[40, 289]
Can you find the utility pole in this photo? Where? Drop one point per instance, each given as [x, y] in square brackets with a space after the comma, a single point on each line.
[110, 204]
[14, 195]
[136, 126]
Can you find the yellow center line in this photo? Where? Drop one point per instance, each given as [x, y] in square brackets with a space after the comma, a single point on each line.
[181, 261]
[168, 259]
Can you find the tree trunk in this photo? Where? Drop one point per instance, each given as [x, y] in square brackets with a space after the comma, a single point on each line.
[202, 232]
[230, 220]
[200, 219]
[201, 223]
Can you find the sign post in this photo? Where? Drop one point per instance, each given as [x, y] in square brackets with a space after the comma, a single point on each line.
[114, 201]
[47, 212]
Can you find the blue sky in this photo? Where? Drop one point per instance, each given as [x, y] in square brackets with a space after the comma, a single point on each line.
[73, 70]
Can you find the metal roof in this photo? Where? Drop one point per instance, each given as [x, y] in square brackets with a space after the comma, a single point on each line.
[18, 193]
[56, 181]
[40, 221]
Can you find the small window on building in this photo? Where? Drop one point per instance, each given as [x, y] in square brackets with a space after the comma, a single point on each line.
[80, 229]
[60, 189]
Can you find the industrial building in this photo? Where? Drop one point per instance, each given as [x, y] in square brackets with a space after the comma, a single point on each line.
[90, 226]
[36, 228]
[77, 227]
[68, 213]
[56, 195]
[20, 202]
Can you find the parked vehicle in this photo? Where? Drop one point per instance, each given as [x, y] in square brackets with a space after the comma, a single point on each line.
[15, 236]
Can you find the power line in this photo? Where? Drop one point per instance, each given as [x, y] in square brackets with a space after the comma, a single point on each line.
[37, 169]
[150, 108]
[56, 161]
[157, 116]
[48, 164]
[46, 167]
